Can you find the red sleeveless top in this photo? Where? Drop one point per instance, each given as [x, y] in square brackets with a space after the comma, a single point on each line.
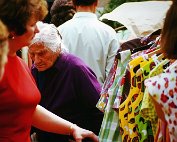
[18, 99]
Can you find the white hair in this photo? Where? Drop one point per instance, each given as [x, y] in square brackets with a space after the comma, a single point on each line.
[49, 36]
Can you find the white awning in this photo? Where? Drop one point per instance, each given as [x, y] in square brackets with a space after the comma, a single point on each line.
[141, 18]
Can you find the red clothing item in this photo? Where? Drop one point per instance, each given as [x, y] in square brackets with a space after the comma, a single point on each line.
[18, 99]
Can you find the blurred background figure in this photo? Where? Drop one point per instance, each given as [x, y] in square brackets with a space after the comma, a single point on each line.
[3, 47]
[47, 19]
[62, 11]
[90, 39]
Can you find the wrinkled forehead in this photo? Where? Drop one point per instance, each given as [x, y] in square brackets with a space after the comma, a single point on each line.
[38, 47]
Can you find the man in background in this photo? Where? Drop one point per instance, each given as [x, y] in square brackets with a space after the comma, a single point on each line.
[90, 39]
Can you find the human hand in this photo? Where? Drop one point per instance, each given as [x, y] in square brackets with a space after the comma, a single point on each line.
[34, 137]
[79, 134]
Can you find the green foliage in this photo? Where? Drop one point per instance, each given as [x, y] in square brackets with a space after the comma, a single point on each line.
[114, 3]
[111, 6]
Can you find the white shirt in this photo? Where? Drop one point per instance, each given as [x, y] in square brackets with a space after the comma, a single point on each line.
[93, 41]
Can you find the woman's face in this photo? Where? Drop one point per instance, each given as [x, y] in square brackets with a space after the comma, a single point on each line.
[43, 57]
[25, 39]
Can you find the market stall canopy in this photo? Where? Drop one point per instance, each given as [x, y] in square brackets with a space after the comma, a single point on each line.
[141, 18]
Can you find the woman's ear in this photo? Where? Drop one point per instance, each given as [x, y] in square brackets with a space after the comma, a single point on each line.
[11, 35]
[58, 50]
[94, 6]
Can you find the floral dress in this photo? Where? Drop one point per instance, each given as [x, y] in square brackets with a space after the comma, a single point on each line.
[163, 89]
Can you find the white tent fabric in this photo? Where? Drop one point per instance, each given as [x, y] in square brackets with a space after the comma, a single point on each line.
[141, 18]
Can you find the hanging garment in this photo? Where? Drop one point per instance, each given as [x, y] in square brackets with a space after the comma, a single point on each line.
[143, 125]
[109, 131]
[120, 88]
[126, 112]
[147, 109]
[130, 44]
[102, 103]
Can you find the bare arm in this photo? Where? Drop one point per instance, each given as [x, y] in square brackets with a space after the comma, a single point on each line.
[47, 121]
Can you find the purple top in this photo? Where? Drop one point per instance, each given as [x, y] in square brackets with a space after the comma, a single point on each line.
[70, 90]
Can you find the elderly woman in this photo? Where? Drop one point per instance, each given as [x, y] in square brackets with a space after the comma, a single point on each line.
[68, 87]
[3, 48]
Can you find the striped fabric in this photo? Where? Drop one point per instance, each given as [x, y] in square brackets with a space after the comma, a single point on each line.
[109, 131]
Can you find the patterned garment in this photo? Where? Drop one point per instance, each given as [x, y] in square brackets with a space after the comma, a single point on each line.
[119, 95]
[127, 85]
[127, 113]
[172, 66]
[102, 103]
[109, 131]
[163, 89]
[143, 125]
[162, 134]
[147, 109]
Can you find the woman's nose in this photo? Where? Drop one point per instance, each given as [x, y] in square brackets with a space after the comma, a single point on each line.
[37, 59]
[36, 29]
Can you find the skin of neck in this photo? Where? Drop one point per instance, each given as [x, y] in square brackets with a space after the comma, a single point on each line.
[90, 8]
[13, 47]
